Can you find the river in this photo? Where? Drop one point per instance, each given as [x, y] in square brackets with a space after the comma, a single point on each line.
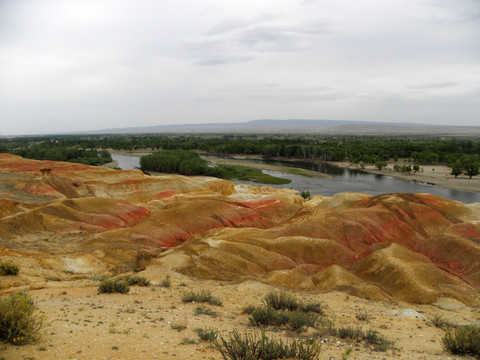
[343, 180]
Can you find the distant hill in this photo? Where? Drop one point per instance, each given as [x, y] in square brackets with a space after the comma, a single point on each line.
[301, 126]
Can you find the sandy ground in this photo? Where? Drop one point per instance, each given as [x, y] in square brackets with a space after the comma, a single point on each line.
[141, 325]
[431, 174]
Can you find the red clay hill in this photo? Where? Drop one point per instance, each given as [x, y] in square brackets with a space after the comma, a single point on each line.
[72, 220]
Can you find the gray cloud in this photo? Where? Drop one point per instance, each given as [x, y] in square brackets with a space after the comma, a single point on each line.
[79, 65]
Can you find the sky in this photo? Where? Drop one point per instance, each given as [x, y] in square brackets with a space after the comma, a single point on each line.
[68, 65]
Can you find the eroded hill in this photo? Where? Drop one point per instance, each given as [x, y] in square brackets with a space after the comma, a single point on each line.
[70, 220]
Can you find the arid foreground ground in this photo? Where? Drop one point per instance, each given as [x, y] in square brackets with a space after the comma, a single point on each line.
[69, 225]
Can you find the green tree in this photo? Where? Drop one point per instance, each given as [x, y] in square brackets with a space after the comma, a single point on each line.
[457, 168]
[380, 164]
[472, 168]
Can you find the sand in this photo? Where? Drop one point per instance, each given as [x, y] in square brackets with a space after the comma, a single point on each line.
[140, 325]
[438, 175]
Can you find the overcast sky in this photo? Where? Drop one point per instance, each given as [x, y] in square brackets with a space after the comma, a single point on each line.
[68, 65]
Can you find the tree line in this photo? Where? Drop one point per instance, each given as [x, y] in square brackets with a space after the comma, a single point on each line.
[462, 155]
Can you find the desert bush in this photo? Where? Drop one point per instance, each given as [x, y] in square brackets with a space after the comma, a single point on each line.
[203, 310]
[362, 315]
[113, 286]
[167, 282]
[268, 316]
[280, 300]
[371, 337]
[207, 334]
[349, 332]
[19, 322]
[299, 320]
[462, 340]
[260, 347]
[137, 280]
[248, 309]
[9, 268]
[202, 296]
[315, 307]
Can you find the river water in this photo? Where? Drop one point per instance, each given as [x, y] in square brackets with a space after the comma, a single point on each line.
[343, 180]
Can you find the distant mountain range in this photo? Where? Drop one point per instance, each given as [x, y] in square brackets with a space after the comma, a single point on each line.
[300, 126]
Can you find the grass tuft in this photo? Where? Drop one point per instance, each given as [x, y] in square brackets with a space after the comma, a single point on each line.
[202, 296]
[207, 334]
[439, 322]
[203, 310]
[166, 282]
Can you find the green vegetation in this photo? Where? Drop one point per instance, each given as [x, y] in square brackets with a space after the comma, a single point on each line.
[280, 300]
[19, 321]
[464, 340]
[179, 162]
[281, 308]
[9, 268]
[439, 322]
[202, 296]
[251, 174]
[305, 194]
[207, 334]
[189, 163]
[203, 310]
[371, 337]
[261, 347]
[50, 148]
[136, 280]
[166, 282]
[113, 286]
[462, 154]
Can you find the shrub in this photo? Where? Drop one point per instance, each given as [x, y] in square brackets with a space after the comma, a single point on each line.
[268, 316]
[254, 347]
[113, 286]
[349, 332]
[439, 322]
[362, 315]
[9, 268]
[299, 320]
[280, 300]
[305, 194]
[313, 307]
[19, 323]
[209, 334]
[372, 337]
[248, 309]
[203, 296]
[462, 340]
[167, 282]
[137, 280]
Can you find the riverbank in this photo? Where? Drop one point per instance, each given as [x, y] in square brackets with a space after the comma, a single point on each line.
[438, 175]
[285, 169]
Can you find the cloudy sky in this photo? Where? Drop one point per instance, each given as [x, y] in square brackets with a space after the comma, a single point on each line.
[68, 65]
